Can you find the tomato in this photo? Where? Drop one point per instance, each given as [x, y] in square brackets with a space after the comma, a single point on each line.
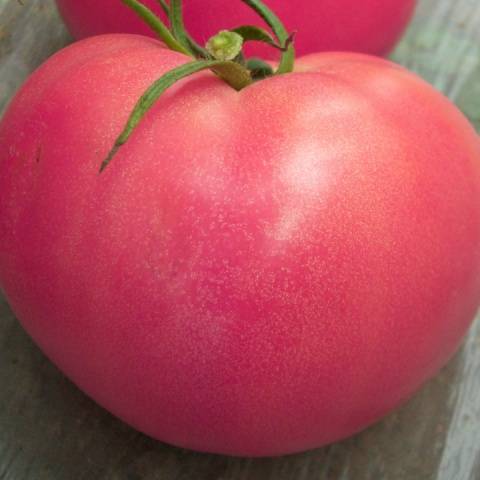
[256, 272]
[371, 26]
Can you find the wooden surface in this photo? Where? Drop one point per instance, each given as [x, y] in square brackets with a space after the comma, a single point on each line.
[51, 431]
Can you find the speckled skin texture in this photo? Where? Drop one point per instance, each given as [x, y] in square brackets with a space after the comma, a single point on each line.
[255, 273]
[370, 26]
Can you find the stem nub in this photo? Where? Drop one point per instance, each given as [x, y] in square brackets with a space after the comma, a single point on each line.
[225, 45]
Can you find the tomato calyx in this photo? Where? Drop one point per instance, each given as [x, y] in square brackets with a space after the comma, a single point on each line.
[222, 55]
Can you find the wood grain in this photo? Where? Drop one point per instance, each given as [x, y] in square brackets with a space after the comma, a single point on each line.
[49, 430]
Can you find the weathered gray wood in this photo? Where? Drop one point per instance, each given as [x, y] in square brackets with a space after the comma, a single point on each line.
[50, 431]
[28, 35]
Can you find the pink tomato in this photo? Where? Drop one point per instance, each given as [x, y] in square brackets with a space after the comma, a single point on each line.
[371, 26]
[256, 272]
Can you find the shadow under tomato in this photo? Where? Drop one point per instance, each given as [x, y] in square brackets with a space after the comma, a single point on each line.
[46, 423]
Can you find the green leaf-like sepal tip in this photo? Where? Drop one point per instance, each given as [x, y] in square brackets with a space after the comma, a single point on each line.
[239, 77]
[225, 45]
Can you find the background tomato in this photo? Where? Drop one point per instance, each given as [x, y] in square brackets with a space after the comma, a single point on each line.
[371, 26]
[244, 278]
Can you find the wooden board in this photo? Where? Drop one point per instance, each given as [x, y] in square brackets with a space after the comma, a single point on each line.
[51, 431]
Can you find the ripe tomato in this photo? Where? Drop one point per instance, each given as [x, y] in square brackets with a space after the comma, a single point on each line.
[371, 26]
[256, 272]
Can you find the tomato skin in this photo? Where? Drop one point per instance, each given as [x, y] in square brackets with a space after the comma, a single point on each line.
[370, 26]
[255, 273]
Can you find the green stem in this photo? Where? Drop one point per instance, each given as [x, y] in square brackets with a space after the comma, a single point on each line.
[235, 74]
[284, 39]
[165, 7]
[178, 29]
[252, 33]
[157, 25]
